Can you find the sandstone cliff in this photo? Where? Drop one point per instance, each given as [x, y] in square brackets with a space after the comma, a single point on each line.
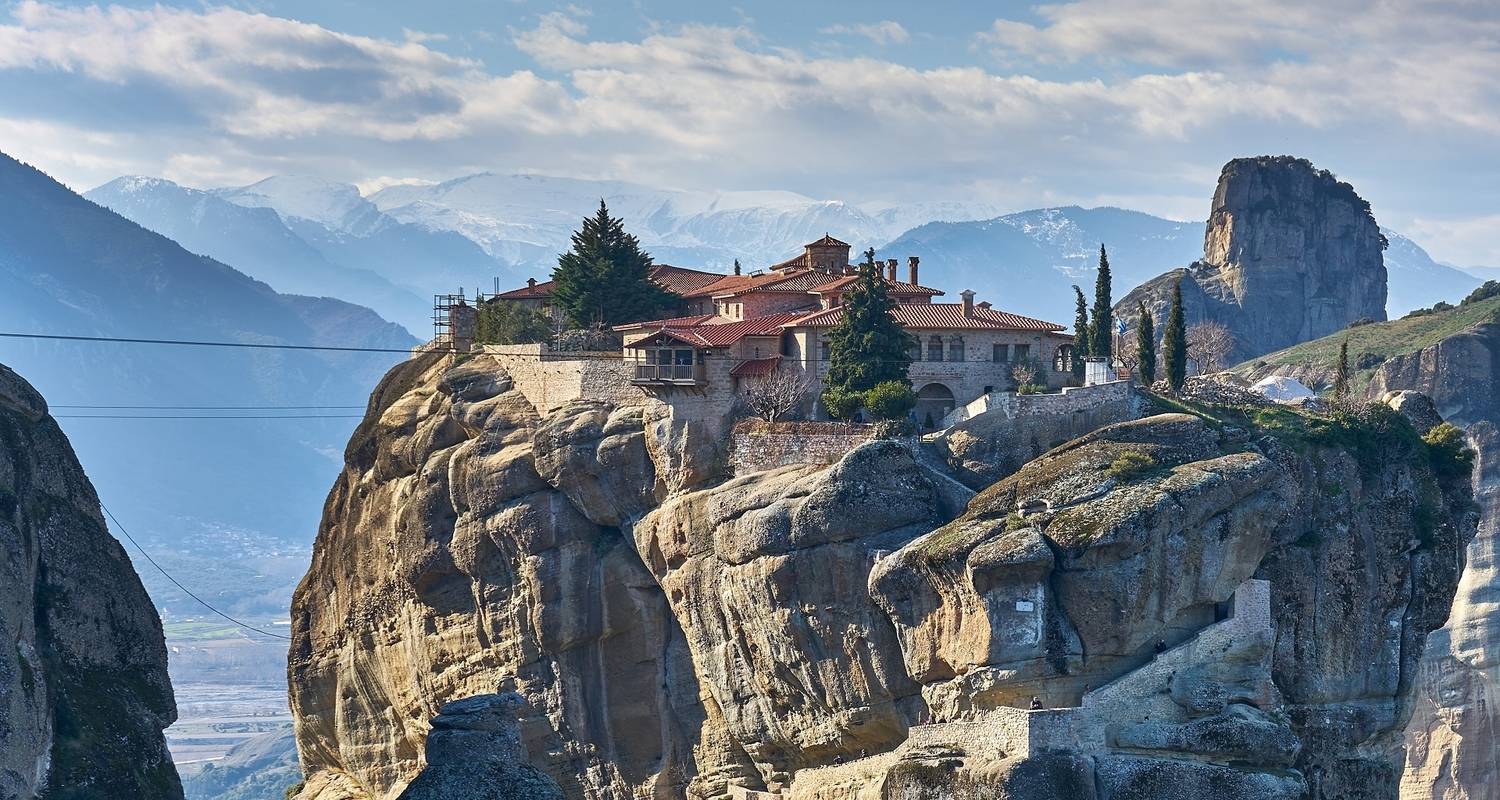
[84, 693]
[1290, 254]
[868, 629]
[1453, 748]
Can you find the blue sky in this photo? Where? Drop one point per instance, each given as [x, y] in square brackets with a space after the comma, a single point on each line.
[1120, 102]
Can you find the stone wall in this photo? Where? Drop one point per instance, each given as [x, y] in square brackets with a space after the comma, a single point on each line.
[998, 432]
[550, 380]
[759, 446]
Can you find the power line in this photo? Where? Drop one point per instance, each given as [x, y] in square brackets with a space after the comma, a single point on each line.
[208, 416]
[199, 408]
[198, 343]
[179, 585]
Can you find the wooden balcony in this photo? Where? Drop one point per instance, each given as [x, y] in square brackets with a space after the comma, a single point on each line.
[670, 374]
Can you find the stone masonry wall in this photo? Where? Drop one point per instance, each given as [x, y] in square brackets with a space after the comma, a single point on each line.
[997, 433]
[550, 380]
[757, 448]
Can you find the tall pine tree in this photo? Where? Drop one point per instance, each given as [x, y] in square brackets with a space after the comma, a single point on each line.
[1145, 345]
[1174, 341]
[1102, 332]
[1080, 333]
[868, 346]
[605, 279]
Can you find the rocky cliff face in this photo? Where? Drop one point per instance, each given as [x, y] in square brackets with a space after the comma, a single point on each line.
[1290, 254]
[869, 629]
[84, 694]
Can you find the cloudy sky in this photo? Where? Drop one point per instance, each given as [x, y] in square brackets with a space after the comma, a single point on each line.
[1122, 102]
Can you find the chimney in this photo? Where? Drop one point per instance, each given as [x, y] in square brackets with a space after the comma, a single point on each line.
[968, 296]
[911, 268]
[531, 283]
[986, 305]
[890, 270]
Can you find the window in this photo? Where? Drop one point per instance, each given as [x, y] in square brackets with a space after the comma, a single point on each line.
[1063, 360]
[1002, 353]
[935, 348]
[1022, 352]
[914, 349]
[956, 349]
[825, 351]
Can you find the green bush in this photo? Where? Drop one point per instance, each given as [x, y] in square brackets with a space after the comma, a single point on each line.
[894, 429]
[509, 322]
[1130, 465]
[1448, 451]
[840, 404]
[1484, 292]
[890, 400]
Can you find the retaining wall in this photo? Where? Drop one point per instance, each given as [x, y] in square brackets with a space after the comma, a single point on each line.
[763, 446]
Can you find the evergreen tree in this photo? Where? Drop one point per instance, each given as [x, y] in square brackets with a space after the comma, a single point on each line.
[1174, 342]
[605, 278]
[1341, 375]
[1080, 332]
[868, 346]
[1102, 334]
[1145, 346]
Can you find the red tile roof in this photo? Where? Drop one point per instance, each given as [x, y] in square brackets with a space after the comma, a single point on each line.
[894, 287]
[672, 322]
[937, 316]
[755, 367]
[723, 334]
[678, 280]
[827, 241]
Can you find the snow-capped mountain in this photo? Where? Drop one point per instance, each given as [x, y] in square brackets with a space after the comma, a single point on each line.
[1415, 280]
[524, 217]
[258, 241]
[438, 237]
[1027, 262]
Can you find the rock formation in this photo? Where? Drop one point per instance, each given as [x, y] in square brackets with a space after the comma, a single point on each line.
[84, 693]
[1453, 357]
[474, 750]
[1248, 606]
[1290, 254]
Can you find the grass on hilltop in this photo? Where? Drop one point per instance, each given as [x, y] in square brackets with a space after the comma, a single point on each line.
[1373, 343]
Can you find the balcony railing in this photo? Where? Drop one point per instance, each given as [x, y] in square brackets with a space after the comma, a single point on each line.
[677, 374]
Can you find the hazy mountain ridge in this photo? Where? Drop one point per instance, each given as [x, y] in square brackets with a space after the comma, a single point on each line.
[70, 266]
[256, 239]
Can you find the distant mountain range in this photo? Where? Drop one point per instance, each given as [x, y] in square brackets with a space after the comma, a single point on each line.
[223, 499]
[394, 248]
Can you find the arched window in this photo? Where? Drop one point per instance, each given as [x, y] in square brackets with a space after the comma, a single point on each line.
[956, 348]
[1063, 360]
[935, 348]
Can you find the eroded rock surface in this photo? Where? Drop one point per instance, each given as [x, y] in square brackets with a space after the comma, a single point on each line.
[871, 629]
[84, 693]
[1290, 254]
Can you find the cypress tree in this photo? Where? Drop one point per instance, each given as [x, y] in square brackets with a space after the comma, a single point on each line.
[1080, 332]
[605, 279]
[1145, 345]
[1174, 342]
[1102, 334]
[868, 346]
[1341, 375]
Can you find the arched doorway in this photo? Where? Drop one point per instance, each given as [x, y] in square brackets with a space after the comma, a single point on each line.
[934, 401]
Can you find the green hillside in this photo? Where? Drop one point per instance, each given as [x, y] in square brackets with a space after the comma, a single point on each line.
[1373, 343]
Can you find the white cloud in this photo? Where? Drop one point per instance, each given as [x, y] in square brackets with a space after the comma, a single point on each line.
[221, 95]
[1467, 241]
[882, 33]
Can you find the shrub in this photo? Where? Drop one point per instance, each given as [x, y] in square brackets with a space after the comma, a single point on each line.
[1031, 388]
[840, 404]
[1484, 292]
[509, 322]
[894, 429]
[1130, 465]
[890, 400]
[1449, 453]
